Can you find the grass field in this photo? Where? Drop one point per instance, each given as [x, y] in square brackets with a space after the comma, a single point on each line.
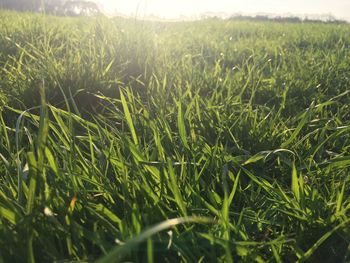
[207, 141]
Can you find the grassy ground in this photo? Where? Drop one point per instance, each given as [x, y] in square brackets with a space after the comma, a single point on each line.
[166, 142]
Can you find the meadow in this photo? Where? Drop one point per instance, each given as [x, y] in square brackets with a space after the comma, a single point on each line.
[147, 141]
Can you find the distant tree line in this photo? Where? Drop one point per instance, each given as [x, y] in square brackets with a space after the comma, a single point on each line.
[21, 5]
[325, 18]
[54, 7]
[288, 19]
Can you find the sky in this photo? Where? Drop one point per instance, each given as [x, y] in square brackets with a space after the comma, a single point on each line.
[177, 8]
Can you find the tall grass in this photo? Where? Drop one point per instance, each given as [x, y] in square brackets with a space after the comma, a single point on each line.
[198, 141]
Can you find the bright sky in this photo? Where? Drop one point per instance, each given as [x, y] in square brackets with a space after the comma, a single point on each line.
[176, 8]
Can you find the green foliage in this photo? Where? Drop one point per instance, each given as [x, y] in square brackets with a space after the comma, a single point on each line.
[197, 141]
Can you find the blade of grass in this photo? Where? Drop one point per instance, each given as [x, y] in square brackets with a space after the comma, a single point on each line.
[319, 242]
[117, 254]
[128, 118]
[181, 126]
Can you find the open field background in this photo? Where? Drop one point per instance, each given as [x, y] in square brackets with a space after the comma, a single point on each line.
[238, 130]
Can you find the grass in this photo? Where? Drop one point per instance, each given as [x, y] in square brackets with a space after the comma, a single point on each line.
[164, 142]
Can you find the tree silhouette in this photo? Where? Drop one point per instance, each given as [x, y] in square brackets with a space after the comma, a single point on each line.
[55, 7]
[80, 8]
[21, 5]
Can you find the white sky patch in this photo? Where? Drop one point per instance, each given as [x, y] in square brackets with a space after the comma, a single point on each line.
[175, 9]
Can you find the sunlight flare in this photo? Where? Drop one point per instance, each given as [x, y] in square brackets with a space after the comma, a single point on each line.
[192, 8]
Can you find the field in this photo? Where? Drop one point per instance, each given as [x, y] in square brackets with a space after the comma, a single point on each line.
[145, 141]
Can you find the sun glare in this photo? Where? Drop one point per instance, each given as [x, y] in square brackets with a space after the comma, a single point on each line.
[174, 9]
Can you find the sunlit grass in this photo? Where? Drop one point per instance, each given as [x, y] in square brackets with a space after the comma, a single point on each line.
[200, 141]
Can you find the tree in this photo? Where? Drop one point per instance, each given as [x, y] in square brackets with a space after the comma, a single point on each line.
[55, 7]
[21, 5]
[80, 8]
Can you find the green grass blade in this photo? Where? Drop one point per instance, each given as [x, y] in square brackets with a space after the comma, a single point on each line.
[33, 181]
[181, 126]
[117, 254]
[128, 118]
[295, 183]
[175, 188]
[319, 242]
